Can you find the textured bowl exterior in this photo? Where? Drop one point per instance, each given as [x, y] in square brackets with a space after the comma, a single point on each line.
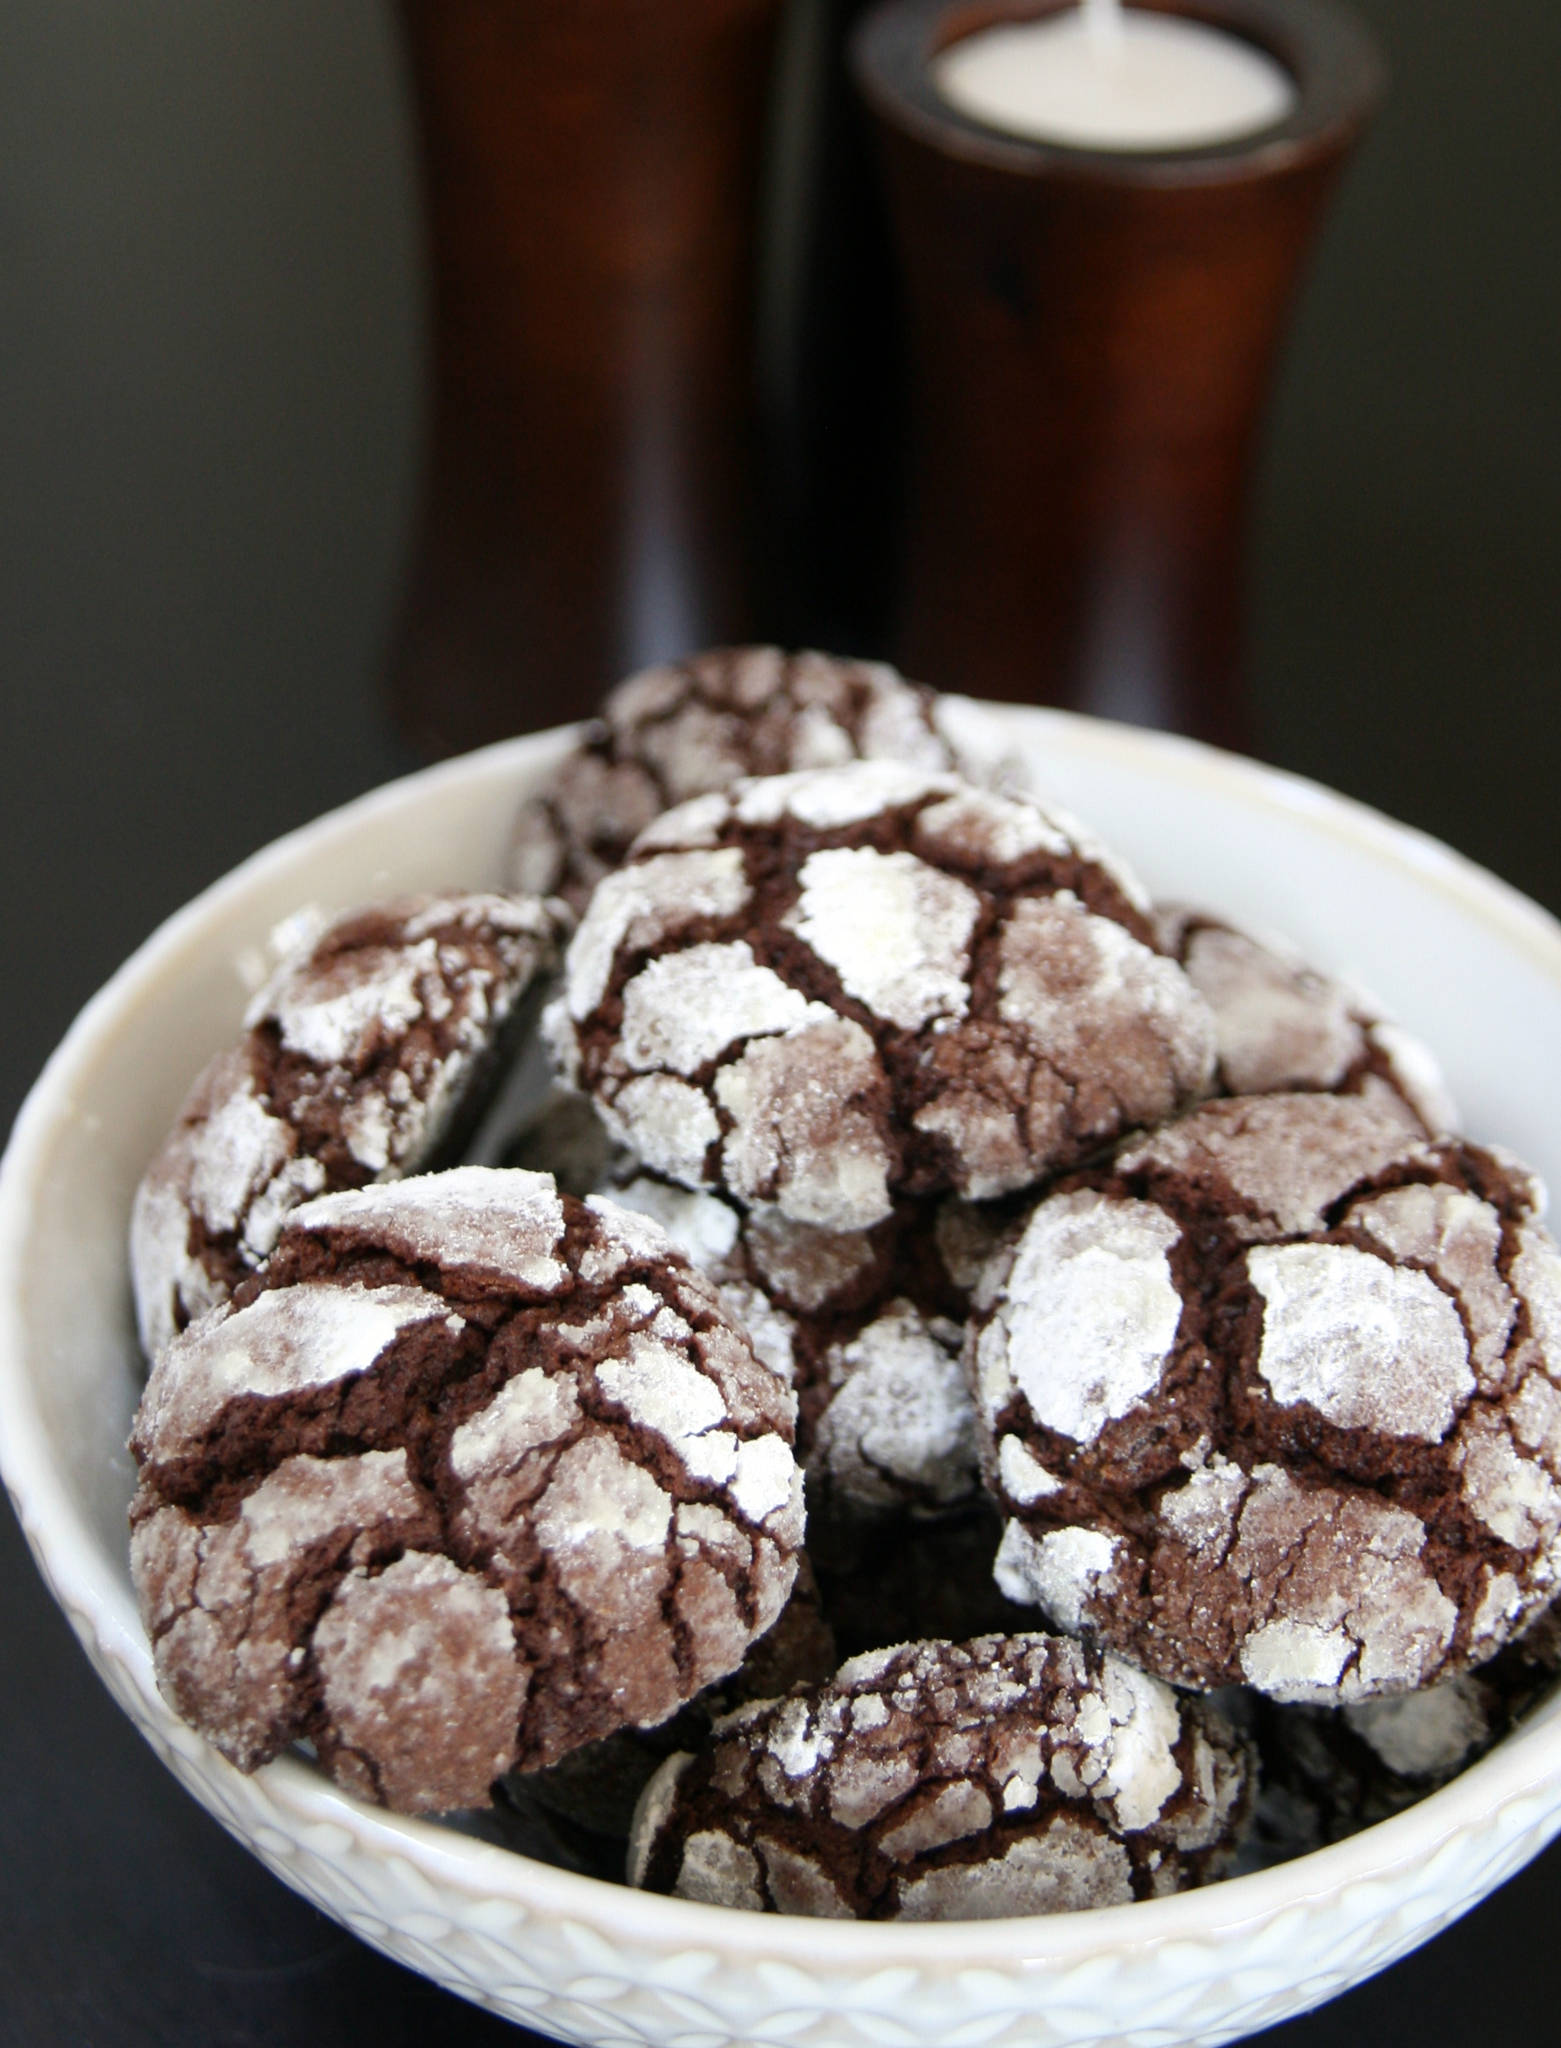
[594, 1963]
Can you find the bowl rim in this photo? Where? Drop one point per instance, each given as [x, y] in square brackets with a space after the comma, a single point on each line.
[1526, 1764]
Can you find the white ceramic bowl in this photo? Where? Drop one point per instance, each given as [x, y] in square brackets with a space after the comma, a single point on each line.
[1455, 954]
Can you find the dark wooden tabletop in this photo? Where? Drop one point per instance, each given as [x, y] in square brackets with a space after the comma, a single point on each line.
[210, 340]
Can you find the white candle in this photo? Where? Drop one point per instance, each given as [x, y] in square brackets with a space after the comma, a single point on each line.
[1097, 77]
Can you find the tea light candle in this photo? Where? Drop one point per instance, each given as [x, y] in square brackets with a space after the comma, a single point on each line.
[1101, 77]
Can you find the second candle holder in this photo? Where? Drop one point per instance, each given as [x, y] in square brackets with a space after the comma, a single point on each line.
[1093, 335]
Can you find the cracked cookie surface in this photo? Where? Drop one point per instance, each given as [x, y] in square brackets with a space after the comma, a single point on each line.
[823, 991]
[687, 727]
[469, 1475]
[365, 1055]
[1275, 1398]
[948, 1781]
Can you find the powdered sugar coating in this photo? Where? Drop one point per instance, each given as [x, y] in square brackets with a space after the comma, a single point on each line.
[418, 1666]
[926, 986]
[702, 1226]
[1065, 1572]
[1277, 1163]
[365, 1052]
[224, 1616]
[1276, 1399]
[899, 1423]
[540, 1400]
[811, 1269]
[457, 1218]
[677, 731]
[641, 908]
[947, 1781]
[682, 1011]
[1369, 1345]
[895, 930]
[1455, 1236]
[800, 1125]
[1426, 1736]
[674, 1124]
[1352, 1609]
[1088, 1316]
[829, 801]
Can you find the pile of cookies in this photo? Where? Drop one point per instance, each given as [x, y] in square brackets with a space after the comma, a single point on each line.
[1174, 1397]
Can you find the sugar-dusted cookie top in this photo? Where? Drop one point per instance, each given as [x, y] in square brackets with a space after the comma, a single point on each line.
[687, 727]
[1276, 1398]
[470, 1474]
[1282, 1025]
[366, 1054]
[824, 990]
[948, 1781]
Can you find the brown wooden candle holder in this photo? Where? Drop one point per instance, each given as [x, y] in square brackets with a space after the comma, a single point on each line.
[1092, 340]
[591, 176]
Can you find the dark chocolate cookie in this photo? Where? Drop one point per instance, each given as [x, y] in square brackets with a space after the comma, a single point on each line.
[680, 730]
[368, 1053]
[826, 990]
[1276, 1398]
[948, 1781]
[1283, 1026]
[471, 1473]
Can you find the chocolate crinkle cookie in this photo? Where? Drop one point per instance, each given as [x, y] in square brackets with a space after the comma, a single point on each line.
[1276, 1398]
[471, 1473]
[865, 1326]
[825, 990]
[685, 728]
[1282, 1025]
[948, 1781]
[367, 1055]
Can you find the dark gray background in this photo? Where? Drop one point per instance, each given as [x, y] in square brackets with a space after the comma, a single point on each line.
[210, 348]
